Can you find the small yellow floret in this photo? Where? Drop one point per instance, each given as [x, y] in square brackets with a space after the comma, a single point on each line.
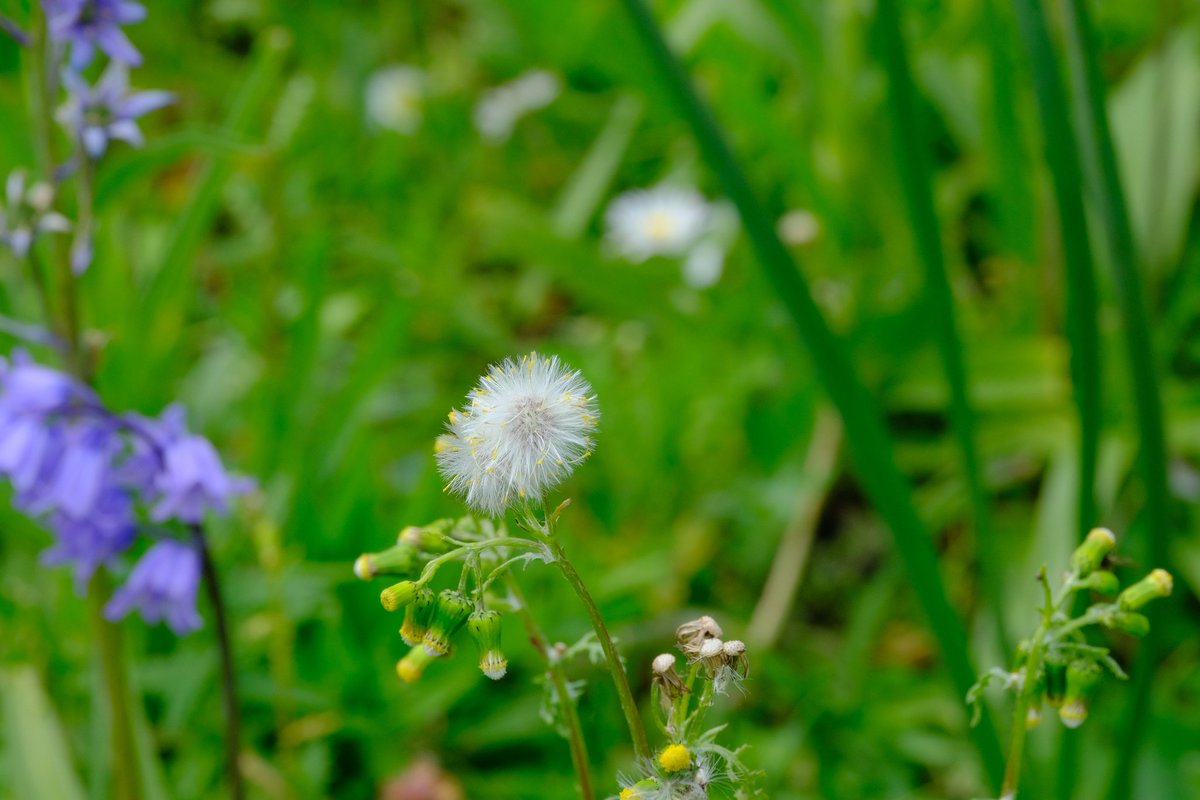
[674, 757]
[628, 793]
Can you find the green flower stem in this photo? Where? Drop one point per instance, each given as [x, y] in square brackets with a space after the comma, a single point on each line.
[1033, 660]
[641, 746]
[431, 568]
[233, 714]
[867, 437]
[126, 783]
[578, 745]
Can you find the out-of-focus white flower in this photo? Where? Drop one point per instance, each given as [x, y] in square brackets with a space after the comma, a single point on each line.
[525, 427]
[799, 227]
[704, 265]
[663, 220]
[26, 213]
[501, 108]
[395, 98]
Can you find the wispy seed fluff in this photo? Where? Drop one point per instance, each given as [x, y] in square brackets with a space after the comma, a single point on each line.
[524, 428]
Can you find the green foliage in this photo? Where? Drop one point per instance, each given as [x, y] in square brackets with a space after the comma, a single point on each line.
[319, 292]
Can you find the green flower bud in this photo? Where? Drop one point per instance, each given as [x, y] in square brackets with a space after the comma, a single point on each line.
[484, 627]
[417, 615]
[413, 664]
[1101, 581]
[1089, 555]
[429, 538]
[398, 595]
[1056, 679]
[1157, 584]
[449, 615]
[402, 560]
[1129, 622]
[1082, 679]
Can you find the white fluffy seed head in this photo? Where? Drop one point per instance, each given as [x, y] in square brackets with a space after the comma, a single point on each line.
[711, 648]
[526, 425]
[734, 648]
[663, 220]
[663, 663]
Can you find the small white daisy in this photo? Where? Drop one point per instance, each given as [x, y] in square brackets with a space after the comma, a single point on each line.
[500, 109]
[525, 427]
[660, 221]
[395, 96]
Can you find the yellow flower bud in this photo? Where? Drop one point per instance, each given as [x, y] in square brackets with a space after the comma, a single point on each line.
[674, 757]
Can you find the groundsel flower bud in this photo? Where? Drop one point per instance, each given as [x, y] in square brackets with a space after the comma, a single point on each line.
[402, 559]
[526, 427]
[1129, 622]
[398, 595]
[413, 664]
[1089, 555]
[642, 790]
[429, 538]
[1082, 679]
[1155, 585]
[449, 614]
[1056, 679]
[417, 615]
[1101, 581]
[484, 627]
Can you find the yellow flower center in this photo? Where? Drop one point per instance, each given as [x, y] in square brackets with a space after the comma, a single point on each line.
[659, 226]
[628, 793]
[674, 757]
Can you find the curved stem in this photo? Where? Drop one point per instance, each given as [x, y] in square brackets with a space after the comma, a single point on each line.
[637, 733]
[233, 714]
[431, 568]
[554, 669]
[126, 783]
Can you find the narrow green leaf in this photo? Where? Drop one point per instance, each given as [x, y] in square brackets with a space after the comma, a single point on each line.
[1104, 180]
[868, 441]
[583, 192]
[39, 761]
[911, 145]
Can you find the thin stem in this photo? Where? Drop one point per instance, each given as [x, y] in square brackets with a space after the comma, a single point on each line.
[126, 783]
[554, 668]
[431, 568]
[1016, 748]
[641, 747]
[233, 714]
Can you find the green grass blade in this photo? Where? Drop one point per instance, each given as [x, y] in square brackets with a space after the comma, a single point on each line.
[584, 191]
[39, 759]
[912, 158]
[867, 438]
[1082, 303]
[1105, 181]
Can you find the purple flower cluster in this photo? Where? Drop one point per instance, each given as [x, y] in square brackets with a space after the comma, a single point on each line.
[97, 478]
[86, 25]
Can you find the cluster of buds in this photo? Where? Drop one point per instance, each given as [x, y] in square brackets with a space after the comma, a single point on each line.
[431, 621]
[1057, 666]
[691, 760]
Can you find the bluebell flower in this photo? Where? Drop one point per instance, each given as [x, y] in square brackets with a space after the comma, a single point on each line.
[191, 481]
[88, 24]
[162, 586]
[96, 115]
[87, 543]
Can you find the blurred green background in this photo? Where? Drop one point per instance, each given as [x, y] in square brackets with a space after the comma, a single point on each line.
[319, 292]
